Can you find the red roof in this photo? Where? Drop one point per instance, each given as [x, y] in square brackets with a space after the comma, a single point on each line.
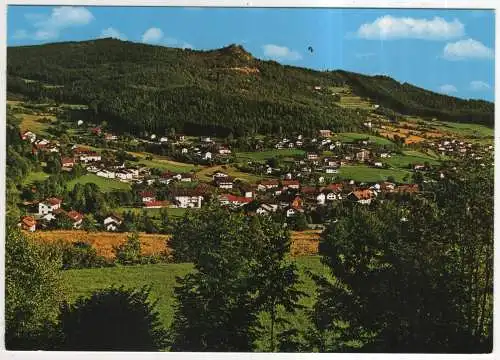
[269, 182]
[67, 161]
[407, 188]
[334, 187]
[156, 203]
[290, 182]
[147, 193]
[362, 194]
[74, 215]
[53, 201]
[28, 221]
[309, 190]
[238, 199]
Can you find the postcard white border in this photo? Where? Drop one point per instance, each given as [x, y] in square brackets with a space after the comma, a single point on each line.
[449, 4]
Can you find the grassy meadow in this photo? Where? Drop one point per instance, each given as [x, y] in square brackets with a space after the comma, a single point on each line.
[162, 279]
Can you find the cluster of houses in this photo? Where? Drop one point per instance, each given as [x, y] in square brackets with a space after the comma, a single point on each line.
[455, 147]
[49, 210]
[42, 144]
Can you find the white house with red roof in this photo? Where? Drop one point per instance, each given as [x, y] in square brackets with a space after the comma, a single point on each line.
[229, 199]
[49, 205]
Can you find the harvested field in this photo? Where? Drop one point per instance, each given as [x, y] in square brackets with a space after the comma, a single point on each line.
[103, 242]
[303, 242]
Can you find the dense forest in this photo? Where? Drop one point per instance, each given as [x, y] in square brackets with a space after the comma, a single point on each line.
[139, 88]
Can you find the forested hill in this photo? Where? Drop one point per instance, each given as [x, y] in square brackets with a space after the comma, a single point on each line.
[141, 88]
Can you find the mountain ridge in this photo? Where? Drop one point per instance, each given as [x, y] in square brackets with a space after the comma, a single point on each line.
[227, 89]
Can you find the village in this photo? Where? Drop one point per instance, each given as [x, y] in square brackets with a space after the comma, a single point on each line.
[309, 175]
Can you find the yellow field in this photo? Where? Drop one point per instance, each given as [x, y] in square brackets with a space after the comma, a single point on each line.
[303, 242]
[33, 123]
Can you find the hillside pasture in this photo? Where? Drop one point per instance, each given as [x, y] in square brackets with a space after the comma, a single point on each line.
[268, 154]
[206, 173]
[106, 185]
[363, 173]
[352, 137]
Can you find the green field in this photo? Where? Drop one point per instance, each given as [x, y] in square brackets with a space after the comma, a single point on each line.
[35, 176]
[106, 185]
[466, 130]
[168, 165]
[364, 173]
[351, 137]
[410, 157]
[268, 154]
[162, 279]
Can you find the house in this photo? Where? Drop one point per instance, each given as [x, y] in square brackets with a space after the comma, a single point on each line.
[67, 162]
[296, 203]
[418, 167]
[28, 135]
[291, 184]
[385, 155]
[79, 123]
[312, 156]
[96, 131]
[266, 209]
[76, 218]
[228, 199]
[89, 156]
[206, 139]
[268, 184]
[407, 189]
[325, 133]
[320, 199]
[378, 164]
[293, 211]
[28, 223]
[156, 204]
[164, 139]
[106, 174]
[361, 196]
[225, 182]
[186, 177]
[362, 155]
[331, 170]
[147, 196]
[207, 155]
[124, 175]
[299, 143]
[184, 151]
[332, 196]
[224, 150]
[112, 222]
[188, 200]
[49, 205]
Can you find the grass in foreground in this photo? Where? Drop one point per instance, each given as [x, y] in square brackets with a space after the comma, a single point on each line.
[162, 279]
[35, 176]
[106, 185]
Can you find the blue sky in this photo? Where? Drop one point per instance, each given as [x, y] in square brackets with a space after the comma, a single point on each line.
[448, 51]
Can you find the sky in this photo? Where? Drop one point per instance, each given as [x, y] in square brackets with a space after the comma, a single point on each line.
[447, 51]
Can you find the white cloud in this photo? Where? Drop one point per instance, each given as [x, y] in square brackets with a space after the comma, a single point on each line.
[448, 89]
[186, 46]
[47, 27]
[152, 35]
[66, 16]
[389, 28]
[467, 49]
[281, 52]
[20, 34]
[478, 85]
[113, 33]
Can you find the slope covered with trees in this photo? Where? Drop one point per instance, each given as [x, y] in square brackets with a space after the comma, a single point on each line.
[140, 88]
